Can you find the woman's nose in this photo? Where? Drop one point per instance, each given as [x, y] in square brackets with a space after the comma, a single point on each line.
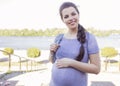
[70, 18]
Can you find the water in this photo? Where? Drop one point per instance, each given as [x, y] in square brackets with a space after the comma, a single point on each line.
[111, 41]
[26, 42]
[44, 42]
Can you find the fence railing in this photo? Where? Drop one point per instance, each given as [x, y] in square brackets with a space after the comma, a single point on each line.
[28, 62]
[112, 63]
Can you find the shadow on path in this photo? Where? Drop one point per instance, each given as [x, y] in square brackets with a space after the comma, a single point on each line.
[101, 83]
[10, 75]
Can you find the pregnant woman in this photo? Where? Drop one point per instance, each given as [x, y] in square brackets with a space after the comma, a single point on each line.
[74, 53]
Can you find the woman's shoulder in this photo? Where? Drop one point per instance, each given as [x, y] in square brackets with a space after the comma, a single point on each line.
[59, 38]
[59, 35]
[89, 35]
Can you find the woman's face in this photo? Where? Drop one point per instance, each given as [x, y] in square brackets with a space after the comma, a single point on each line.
[70, 17]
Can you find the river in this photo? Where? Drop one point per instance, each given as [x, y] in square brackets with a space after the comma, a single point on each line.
[44, 42]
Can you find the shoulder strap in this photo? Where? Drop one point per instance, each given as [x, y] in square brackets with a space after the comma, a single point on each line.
[59, 38]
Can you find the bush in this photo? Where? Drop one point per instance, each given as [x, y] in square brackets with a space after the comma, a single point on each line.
[33, 52]
[8, 50]
[109, 52]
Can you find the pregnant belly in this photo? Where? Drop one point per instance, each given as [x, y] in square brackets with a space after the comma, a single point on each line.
[66, 76]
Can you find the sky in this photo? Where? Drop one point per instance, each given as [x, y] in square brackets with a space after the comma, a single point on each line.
[42, 14]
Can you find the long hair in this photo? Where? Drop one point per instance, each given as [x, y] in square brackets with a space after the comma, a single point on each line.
[81, 36]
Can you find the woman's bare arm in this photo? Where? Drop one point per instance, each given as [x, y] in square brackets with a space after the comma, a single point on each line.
[92, 67]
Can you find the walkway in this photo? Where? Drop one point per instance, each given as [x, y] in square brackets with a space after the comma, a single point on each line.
[42, 78]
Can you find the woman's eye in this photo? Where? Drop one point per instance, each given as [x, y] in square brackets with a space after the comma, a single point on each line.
[66, 16]
[73, 14]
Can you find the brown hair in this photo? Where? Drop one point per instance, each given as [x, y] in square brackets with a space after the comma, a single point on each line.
[81, 36]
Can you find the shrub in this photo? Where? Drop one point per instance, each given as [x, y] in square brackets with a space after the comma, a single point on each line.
[33, 52]
[8, 50]
[109, 52]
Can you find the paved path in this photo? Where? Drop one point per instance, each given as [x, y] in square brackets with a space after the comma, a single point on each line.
[42, 78]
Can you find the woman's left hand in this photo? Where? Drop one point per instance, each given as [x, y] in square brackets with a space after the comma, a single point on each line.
[64, 62]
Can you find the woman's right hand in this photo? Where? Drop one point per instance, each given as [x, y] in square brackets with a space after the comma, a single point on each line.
[54, 47]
